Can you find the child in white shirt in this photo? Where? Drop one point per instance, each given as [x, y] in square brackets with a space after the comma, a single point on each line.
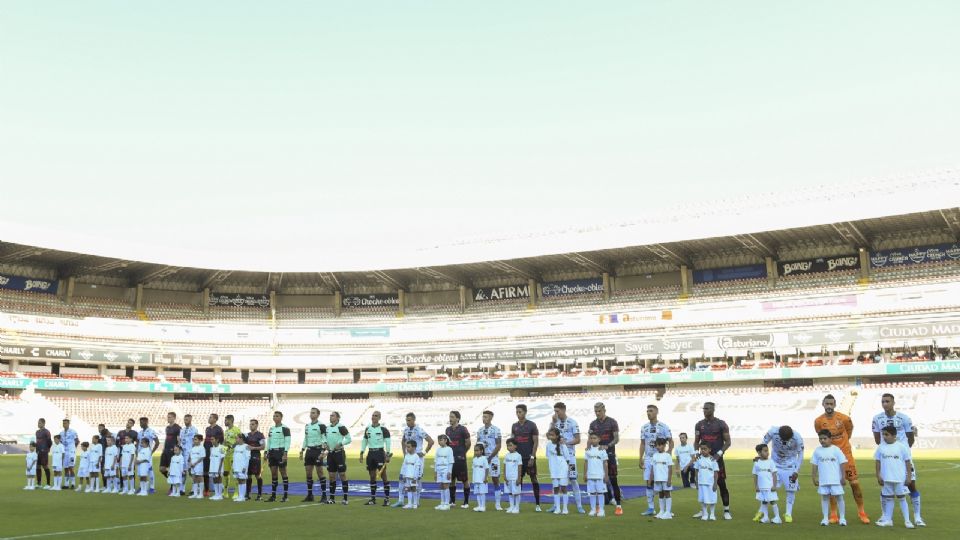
[82, 466]
[175, 471]
[894, 465]
[241, 464]
[661, 478]
[32, 467]
[685, 453]
[558, 459]
[443, 465]
[708, 472]
[595, 474]
[829, 475]
[111, 457]
[56, 457]
[512, 463]
[411, 471]
[144, 466]
[765, 484]
[216, 470]
[481, 470]
[195, 466]
[94, 458]
[128, 465]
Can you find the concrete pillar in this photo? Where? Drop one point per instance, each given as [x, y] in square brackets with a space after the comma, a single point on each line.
[337, 303]
[273, 306]
[71, 285]
[205, 300]
[532, 287]
[402, 301]
[771, 271]
[463, 298]
[864, 265]
[607, 285]
[138, 301]
[684, 281]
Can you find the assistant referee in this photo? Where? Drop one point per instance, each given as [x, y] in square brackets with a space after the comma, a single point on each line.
[377, 439]
[314, 444]
[278, 444]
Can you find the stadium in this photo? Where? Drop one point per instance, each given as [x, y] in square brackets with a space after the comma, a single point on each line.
[304, 259]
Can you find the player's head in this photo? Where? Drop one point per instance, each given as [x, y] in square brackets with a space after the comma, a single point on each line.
[188, 419]
[826, 438]
[683, 438]
[560, 408]
[131, 422]
[553, 434]
[212, 419]
[41, 422]
[478, 449]
[254, 424]
[56, 438]
[95, 439]
[410, 447]
[442, 440]
[829, 403]
[314, 414]
[129, 440]
[228, 420]
[86, 445]
[708, 409]
[521, 412]
[110, 440]
[889, 434]
[762, 451]
[511, 445]
[66, 423]
[334, 417]
[33, 445]
[101, 427]
[277, 417]
[411, 419]
[785, 433]
[661, 444]
[240, 438]
[887, 402]
[144, 422]
[487, 417]
[375, 417]
[171, 417]
[704, 449]
[454, 418]
[146, 442]
[196, 439]
[652, 412]
[594, 439]
[177, 450]
[600, 410]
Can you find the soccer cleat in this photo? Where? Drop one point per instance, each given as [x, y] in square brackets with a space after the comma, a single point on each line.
[284, 498]
[273, 498]
[776, 520]
[479, 509]
[564, 512]
[498, 508]
[650, 512]
[918, 521]
[580, 510]
[699, 514]
[551, 509]
[787, 518]
[704, 517]
[713, 517]
[834, 518]
[591, 513]
[908, 525]
[764, 520]
[757, 517]
[884, 523]
[863, 517]
[370, 502]
[618, 511]
[843, 522]
[344, 502]
[727, 516]
[600, 514]
[308, 498]
[667, 515]
[537, 509]
[407, 506]
[331, 500]
[386, 502]
[825, 522]
[398, 504]
[259, 497]
[465, 506]
[323, 499]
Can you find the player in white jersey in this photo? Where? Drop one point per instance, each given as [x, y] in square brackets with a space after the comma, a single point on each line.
[241, 465]
[186, 437]
[829, 475]
[480, 472]
[216, 470]
[413, 432]
[56, 457]
[893, 465]
[491, 438]
[787, 454]
[765, 475]
[128, 463]
[94, 462]
[558, 461]
[906, 433]
[80, 460]
[512, 464]
[443, 466]
[708, 475]
[685, 453]
[595, 474]
[195, 466]
[111, 461]
[32, 459]
[411, 472]
[661, 478]
[570, 436]
[144, 466]
[175, 471]
[649, 434]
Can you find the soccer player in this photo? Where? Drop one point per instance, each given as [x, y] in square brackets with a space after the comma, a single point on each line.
[489, 435]
[147, 432]
[570, 436]
[170, 440]
[175, 471]
[104, 433]
[212, 432]
[31, 467]
[707, 475]
[609, 432]
[128, 464]
[278, 444]
[685, 453]
[240, 466]
[338, 436]
[650, 433]
[480, 471]
[314, 440]
[144, 466]
[512, 464]
[411, 470]
[715, 433]
[94, 463]
[787, 455]
[70, 441]
[82, 466]
[595, 474]
[413, 432]
[377, 439]
[187, 435]
[195, 464]
[443, 466]
[558, 464]
[893, 466]
[661, 477]
[216, 471]
[526, 434]
[765, 476]
[841, 428]
[906, 433]
[230, 433]
[44, 443]
[829, 475]
[57, 452]
[111, 459]
[256, 442]
[458, 438]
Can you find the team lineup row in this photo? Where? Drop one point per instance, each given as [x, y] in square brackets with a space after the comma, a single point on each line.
[119, 459]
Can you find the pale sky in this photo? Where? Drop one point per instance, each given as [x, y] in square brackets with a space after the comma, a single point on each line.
[297, 135]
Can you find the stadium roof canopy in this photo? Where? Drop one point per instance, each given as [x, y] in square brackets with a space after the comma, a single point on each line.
[729, 235]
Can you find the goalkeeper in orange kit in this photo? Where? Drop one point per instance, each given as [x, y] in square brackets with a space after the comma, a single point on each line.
[841, 427]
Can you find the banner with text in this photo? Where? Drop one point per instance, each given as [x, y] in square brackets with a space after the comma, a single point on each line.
[508, 292]
[111, 357]
[661, 346]
[371, 300]
[572, 286]
[917, 255]
[239, 300]
[814, 266]
[32, 351]
[20, 283]
[750, 271]
[504, 355]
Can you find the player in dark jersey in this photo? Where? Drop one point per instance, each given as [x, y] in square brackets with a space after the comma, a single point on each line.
[256, 442]
[715, 433]
[170, 440]
[211, 433]
[459, 440]
[608, 431]
[44, 442]
[527, 436]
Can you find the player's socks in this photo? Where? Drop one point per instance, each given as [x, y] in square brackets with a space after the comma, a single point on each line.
[841, 507]
[273, 487]
[346, 488]
[776, 510]
[402, 493]
[152, 479]
[576, 495]
[386, 490]
[481, 500]
[286, 485]
[791, 497]
[765, 510]
[373, 489]
[333, 488]
[651, 495]
[536, 492]
[260, 486]
[826, 502]
[915, 498]
[243, 491]
[904, 509]
[669, 505]
[453, 491]
[466, 494]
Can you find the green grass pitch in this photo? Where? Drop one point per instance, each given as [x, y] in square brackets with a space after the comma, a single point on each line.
[44, 514]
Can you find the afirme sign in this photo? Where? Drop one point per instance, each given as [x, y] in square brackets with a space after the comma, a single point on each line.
[509, 292]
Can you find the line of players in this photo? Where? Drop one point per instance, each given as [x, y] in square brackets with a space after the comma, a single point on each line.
[203, 458]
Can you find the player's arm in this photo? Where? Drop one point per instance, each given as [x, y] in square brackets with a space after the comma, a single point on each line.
[876, 467]
[876, 432]
[848, 425]
[497, 448]
[843, 473]
[429, 439]
[346, 436]
[286, 444]
[606, 471]
[910, 431]
[696, 436]
[815, 471]
[726, 439]
[363, 443]
[387, 445]
[303, 445]
[670, 473]
[536, 444]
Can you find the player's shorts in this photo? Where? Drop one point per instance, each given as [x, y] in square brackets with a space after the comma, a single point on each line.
[93, 471]
[560, 482]
[197, 469]
[337, 461]
[852, 474]
[165, 458]
[722, 473]
[612, 463]
[240, 475]
[312, 457]
[647, 469]
[479, 488]
[706, 494]
[894, 489]
[495, 467]
[376, 458]
[411, 483]
[175, 479]
[573, 471]
[596, 487]
[228, 460]
[443, 475]
[275, 458]
[109, 472]
[662, 486]
[213, 474]
[144, 469]
[82, 470]
[767, 495]
[253, 469]
[834, 490]
[459, 471]
[511, 487]
[43, 458]
[69, 460]
[126, 471]
[58, 468]
[528, 469]
[783, 479]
